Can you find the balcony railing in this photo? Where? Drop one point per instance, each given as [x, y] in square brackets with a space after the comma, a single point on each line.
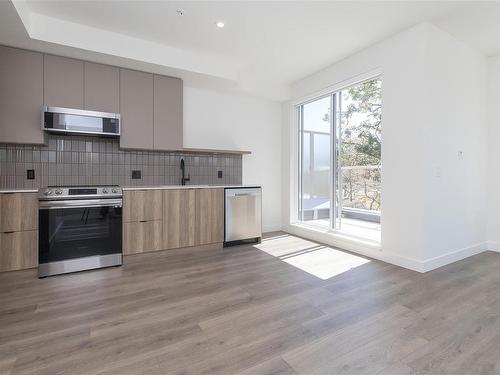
[361, 189]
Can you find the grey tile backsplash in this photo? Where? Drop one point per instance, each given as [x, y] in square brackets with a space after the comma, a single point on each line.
[80, 160]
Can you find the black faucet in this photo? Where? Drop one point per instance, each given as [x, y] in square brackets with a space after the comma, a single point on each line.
[183, 179]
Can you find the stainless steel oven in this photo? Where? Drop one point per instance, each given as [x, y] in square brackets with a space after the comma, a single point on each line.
[80, 228]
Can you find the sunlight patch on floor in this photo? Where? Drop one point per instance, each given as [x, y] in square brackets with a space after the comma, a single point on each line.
[318, 260]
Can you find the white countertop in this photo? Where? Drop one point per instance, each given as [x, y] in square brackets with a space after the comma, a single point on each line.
[19, 191]
[177, 187]
[147, 187]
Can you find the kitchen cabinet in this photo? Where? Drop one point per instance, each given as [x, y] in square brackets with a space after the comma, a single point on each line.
[136, 109]
[151, 105]
[142, 237]
[142, 205]
[101, 88]
[18, 212]
[168, 109]
[209, 225]
[21, 96]
[142, 221]
[63, 82]
[18, 231]
[166, 219]
[179, 218]
[18, 250]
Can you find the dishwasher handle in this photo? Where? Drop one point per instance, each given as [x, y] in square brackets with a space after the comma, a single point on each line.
[243, 192]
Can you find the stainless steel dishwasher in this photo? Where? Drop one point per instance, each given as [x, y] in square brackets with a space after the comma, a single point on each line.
[243, 215]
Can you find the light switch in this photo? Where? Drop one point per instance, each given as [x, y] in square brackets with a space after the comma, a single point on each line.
[438, 172]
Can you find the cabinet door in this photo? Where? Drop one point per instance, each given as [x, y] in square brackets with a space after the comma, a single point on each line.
[179, 217]
[168, 125]
[102, 88]
[63, 82]
[209, 216]
[18, 212]
[142, 205]
[136, 106]
[18, 250]
[21, 95]
[141, 237]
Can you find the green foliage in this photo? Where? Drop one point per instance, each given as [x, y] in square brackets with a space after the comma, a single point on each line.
[361, 144]
[361, 139]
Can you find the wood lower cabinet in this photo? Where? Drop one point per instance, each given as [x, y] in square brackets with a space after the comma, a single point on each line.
[18, 231]
[179, 210]
[209, 216]
[18, 212]
[142, 205]
[142, 236]
[172, 219]
[18, 250]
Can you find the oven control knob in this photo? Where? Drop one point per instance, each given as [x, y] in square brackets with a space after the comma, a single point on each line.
[105, 191]
[47, 192]
[114, 191]
[59, 192]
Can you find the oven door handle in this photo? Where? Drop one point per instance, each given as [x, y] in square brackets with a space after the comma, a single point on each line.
[77, 203]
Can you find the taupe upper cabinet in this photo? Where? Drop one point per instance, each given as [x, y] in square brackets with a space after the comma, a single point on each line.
[21, 95]
[63, 82]
[168, 124]
[136, 109]
[101, 88]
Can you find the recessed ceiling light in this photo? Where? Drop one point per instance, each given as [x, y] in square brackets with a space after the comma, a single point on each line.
[219, 24]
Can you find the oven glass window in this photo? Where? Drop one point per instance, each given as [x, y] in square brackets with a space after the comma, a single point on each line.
[79, 232]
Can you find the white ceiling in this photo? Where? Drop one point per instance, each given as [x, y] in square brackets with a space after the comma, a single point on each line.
[263, 48]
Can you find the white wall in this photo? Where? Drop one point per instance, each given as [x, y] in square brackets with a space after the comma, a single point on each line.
[213, 119]
[455, 121]
[493, 193]
[399, 58]
[428, 79]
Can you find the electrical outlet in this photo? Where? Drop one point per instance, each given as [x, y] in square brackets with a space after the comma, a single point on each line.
[30, 174]
[219, 174]
[136, 174]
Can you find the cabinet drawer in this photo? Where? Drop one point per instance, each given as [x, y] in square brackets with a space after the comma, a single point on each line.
[141, 237]
[142, 205]
[18, 250]
[18, 212]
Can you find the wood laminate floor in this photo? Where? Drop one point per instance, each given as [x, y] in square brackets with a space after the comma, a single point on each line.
[248, 310]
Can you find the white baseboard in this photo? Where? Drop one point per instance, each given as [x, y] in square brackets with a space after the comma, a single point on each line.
[453, 256]
[375, 251]
[493, 246]
[364, 248]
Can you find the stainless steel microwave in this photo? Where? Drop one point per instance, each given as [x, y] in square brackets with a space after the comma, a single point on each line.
[67, 120]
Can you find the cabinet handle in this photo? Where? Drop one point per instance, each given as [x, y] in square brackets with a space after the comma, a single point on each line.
[142, 221]
[8, 232]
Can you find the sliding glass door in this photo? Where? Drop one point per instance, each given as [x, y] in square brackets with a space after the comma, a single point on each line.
[315, 161]
[340, 160]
